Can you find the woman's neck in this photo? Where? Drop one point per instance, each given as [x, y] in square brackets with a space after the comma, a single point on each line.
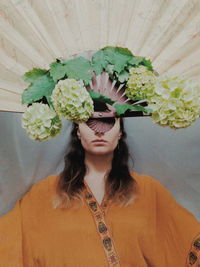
[97, 167]
[98, 164]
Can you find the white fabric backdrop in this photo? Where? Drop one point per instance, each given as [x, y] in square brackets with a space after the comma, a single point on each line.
[170, 156]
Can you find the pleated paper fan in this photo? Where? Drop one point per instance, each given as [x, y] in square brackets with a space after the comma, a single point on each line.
[35, 33]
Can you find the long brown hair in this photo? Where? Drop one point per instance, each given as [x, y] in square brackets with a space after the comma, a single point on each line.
[120, 185]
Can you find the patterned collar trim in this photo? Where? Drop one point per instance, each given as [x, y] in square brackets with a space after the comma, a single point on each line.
[103, 230]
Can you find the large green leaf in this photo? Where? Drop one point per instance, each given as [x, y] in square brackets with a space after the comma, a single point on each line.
[76, 68]
[118, 49]
[122, 108]
[41, 85]
[101, 98]
[33, 74]
[117, 56]
[135, 60]
[57, 71]
[98, 62]
[111, 59]
[79, 69]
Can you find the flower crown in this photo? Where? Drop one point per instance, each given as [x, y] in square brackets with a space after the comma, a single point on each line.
[66, 90]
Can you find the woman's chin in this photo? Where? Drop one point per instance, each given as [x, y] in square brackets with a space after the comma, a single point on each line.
[101, 151]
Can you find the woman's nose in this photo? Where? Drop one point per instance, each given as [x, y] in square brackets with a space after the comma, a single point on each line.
[99, 133]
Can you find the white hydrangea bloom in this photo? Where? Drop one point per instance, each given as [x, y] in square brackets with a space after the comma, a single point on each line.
[140, 83]
[41, 122]
[175, 101]
[72, 101]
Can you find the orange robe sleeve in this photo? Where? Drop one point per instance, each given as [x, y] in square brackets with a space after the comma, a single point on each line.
[178, 231]
[14, 231]
[11, 238]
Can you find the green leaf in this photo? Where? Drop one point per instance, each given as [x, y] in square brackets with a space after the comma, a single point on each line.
[135, 60]
[33, 74]
[42, 85]
[147, 63]
[98, 62]
[110, 69]
[111, 59]
[122, 108]
[76, 68]
[118, 49]
[117, 56]
[57, 71]
[101, 98]
[123, 76]
[48, 97]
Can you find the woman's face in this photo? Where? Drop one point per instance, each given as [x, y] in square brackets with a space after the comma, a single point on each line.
[87, 137]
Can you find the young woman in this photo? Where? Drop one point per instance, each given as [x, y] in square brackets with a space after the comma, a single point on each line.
[98, 213]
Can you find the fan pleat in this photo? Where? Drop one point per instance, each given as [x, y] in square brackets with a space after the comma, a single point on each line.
[174, 26]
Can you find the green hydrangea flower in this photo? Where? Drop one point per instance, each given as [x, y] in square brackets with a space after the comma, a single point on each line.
[140, 83]
[175, 101]
[41, 122]
[72, 101]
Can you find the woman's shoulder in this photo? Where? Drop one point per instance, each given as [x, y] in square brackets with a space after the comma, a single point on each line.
[144, 179]
[43, 183]
[147, 182]
[39, 189]
[151, 186]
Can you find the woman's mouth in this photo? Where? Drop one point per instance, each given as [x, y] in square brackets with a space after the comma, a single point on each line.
[99, 141]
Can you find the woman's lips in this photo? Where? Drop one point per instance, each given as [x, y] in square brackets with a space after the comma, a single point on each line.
[99, 142]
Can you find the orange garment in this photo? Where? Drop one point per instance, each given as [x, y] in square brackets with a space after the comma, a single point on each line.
[154, 231]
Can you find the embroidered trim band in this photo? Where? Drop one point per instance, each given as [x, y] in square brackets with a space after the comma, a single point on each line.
[102, 228]
[194, 253]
